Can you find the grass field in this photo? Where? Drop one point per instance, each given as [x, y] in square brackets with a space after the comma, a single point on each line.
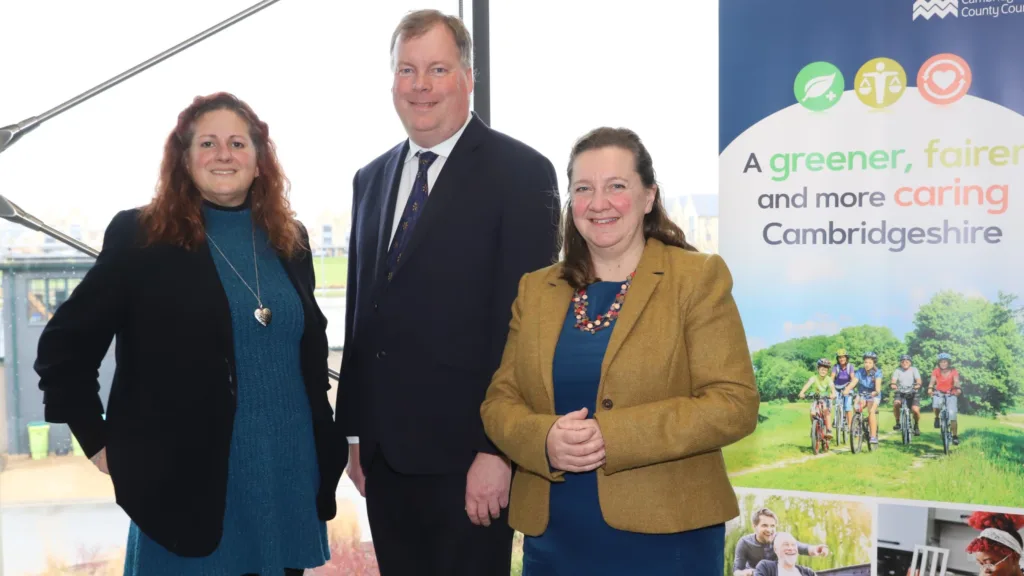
[986, 468]
[331, 272]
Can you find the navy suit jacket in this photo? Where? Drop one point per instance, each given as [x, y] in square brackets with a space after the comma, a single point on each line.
[421, 348]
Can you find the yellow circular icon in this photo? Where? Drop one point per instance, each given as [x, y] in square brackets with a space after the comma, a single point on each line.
[880, 82]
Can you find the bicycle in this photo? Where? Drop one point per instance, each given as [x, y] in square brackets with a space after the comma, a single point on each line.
[839, 424]
[945, 430]
[861, 425]
[819, 440]
[906, 415]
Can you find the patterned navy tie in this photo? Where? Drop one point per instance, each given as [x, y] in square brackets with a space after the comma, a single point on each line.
[413, 209]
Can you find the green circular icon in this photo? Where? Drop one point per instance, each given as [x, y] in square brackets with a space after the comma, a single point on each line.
[819, 86]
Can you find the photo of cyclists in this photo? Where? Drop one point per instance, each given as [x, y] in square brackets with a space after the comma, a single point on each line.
[781, 535]
[920, 541]
[934, 414]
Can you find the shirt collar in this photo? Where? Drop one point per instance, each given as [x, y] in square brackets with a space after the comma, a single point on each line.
[444, 149]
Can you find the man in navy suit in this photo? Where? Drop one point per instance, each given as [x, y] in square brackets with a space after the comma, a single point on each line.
[443, 227]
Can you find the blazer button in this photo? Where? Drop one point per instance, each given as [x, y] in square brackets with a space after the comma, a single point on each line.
[607, 403]
[381, 354]
[374, 305]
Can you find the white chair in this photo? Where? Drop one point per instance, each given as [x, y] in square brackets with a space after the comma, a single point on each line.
[920, 564]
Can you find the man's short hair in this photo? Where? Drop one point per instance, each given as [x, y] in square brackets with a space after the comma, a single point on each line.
[755, 518]
[418, 23]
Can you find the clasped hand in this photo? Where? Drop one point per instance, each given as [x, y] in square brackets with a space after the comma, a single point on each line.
[575, 444]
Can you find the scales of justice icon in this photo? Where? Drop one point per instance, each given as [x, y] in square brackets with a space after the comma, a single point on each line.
[879, 82]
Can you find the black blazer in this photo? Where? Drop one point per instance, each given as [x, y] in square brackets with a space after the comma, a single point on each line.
[172, 401]
[420, 350]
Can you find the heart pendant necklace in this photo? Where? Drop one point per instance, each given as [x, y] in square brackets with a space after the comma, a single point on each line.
[261, 313]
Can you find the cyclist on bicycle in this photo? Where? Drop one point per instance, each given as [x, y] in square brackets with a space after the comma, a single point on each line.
[842, 373]
[868, 382]
[944, 386]
[906, 381]
[821, 384]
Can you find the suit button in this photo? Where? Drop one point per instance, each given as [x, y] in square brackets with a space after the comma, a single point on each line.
[607, 404]
[374, 305]
[381, 354]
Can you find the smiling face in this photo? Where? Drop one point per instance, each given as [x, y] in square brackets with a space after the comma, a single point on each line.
[944, 364]
[764, 530]
[905, 364]
[786, 549]
[431, 88]
[993, 564]
[869, 363]
[609, 200]
[822, 371]
[221, 158]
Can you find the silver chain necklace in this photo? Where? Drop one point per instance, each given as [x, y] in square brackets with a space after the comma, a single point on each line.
[262, 314]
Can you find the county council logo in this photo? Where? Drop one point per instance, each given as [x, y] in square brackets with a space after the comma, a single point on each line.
[941, 8]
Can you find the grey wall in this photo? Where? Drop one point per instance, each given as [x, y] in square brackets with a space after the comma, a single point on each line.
[24, 400]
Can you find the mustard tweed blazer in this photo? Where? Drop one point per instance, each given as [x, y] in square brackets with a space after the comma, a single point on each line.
[676, 386]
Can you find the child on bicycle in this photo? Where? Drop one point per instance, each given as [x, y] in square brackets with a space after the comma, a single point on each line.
[842, 373]
[944, 387]
[821, 384]
[906, 381]
[868, 383]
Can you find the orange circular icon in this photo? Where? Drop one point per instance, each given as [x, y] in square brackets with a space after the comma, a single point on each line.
[944, 79]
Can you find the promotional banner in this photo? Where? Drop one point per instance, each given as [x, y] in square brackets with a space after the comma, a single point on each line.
[872, 166]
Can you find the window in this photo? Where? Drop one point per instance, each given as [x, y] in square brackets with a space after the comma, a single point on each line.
[328, 236]
[317, 72]
[38, 313]
[45, 295]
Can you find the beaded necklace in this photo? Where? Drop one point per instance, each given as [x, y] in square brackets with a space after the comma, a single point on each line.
[580, 302]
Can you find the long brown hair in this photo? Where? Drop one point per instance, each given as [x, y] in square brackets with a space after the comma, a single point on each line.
[174, 216]
[577, 268]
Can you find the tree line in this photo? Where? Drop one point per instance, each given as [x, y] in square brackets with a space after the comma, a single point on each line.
[985, 339]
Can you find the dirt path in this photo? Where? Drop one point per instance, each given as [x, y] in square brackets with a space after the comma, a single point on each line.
[882, 436]
[781, 464]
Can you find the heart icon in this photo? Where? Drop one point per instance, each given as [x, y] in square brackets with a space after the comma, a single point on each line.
[944, 78]
[262, 315]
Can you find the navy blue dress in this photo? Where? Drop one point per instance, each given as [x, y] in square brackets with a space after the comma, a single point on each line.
[577, 539]
[270, 521]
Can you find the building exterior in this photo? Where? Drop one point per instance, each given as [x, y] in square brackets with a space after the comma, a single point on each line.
[329, 234]
[33, 288]
[697, 215]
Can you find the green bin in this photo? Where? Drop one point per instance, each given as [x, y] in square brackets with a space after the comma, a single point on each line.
[39, 439]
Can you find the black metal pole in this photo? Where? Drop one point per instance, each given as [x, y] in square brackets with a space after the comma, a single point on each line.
[482, 60]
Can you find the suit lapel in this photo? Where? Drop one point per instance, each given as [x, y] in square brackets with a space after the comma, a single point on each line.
[554, 305]
[209, 279]
[649, 273]
[388, 193]
[450, 181]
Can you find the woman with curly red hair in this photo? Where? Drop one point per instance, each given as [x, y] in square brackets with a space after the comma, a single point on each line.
[217, 432]
[999, 547]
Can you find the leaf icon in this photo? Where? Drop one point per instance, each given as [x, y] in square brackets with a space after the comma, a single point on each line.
[816, 87]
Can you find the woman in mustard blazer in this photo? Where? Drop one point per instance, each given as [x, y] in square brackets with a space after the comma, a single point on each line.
[625, 373]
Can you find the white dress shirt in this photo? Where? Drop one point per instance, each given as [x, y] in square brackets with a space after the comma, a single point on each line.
[409, 168]
[411, 165]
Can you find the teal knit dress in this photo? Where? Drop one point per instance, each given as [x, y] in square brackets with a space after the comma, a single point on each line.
[270, 521]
